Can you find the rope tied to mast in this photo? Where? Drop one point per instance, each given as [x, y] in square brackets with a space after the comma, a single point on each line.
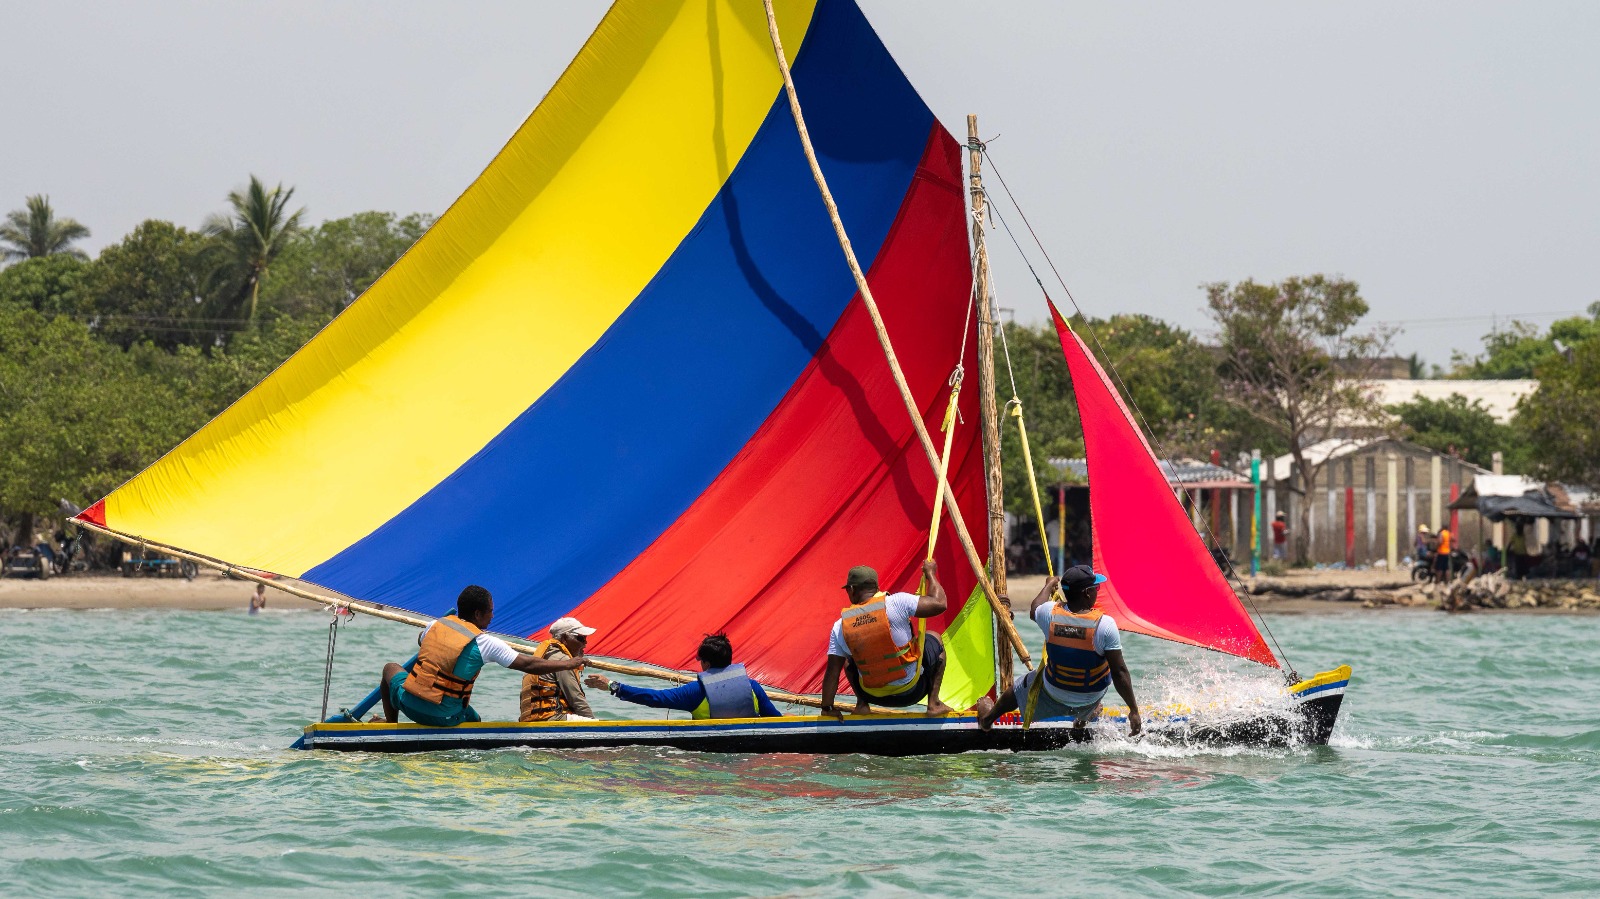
[327, 667]
[980, 572]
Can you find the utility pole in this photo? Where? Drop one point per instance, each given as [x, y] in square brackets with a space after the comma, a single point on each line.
[988, 413]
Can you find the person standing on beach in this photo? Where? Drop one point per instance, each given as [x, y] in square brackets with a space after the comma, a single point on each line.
[875, 644]
[438, 687]
[259, 600]
[1280, 537]
[1441, 557]
[1083, 658]
[558, 696]
[722, 690]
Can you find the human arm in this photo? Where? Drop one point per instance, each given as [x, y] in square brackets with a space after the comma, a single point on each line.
[764, 706]
[684, 698]
[830, 686]
[1123, 681]
[935, 602]
[1051, 585]
[572, 692]
[529, 664]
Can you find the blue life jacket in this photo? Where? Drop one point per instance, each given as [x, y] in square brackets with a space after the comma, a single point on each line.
[1071, 662]
[729, 694]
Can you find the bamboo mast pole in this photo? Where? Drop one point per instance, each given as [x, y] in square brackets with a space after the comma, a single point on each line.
[379, 610]
[1001, 613]
[988, 412]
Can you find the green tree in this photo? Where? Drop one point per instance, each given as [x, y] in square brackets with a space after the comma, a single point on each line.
[257, 229]
[1562, 417]
[48, 284]
[157, 285]
[327, 267]
[34, 231]
[1453, 425]
[1518, 349]
[1293, 359]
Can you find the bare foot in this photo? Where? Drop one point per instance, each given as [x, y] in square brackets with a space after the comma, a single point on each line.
[938, 708]
[861, 709]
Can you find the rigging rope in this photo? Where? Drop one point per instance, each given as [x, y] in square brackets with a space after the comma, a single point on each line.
[978, 568]
[1232, 572]
[327, 668]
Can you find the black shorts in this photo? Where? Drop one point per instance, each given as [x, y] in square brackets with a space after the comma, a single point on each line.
[1441, 562]
[917, 691]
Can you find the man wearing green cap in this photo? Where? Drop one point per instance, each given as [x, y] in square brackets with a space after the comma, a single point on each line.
[880, 644]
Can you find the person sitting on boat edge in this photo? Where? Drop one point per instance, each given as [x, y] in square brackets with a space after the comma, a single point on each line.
[437, 689]
[883, 655]
[722, 690]
[1083, 658]
[558, 696]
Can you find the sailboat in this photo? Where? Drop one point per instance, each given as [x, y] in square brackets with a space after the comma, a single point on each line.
[625, 377]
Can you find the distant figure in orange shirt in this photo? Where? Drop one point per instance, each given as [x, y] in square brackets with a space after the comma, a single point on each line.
[1280, 538]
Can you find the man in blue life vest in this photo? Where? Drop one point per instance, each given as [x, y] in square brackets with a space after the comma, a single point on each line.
[437, 689]
[879, 644]
[1083, 658]
[722, 690]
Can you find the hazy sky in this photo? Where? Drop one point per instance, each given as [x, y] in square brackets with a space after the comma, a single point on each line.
[1445, 155]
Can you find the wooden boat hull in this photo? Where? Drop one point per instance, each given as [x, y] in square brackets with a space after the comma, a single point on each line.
[1309, 721]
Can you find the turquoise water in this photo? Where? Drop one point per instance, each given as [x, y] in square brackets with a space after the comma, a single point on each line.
[144, 753]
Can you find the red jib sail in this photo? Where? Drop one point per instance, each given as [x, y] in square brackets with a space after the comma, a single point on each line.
[1161, 580]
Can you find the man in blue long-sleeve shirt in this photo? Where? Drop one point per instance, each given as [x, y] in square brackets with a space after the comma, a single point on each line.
[722, 690]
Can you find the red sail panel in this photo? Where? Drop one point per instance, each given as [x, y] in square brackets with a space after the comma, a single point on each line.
[1161, 580]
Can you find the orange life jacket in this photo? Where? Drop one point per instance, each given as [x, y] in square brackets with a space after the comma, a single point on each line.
[878, 658]
[435, 676]
[541, 695]
[1071, 661]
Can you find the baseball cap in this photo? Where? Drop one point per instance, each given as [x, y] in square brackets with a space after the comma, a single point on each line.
[569, 625]
[861, 576]
[1080, 576]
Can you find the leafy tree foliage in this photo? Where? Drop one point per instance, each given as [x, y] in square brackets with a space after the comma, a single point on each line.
[1519, 349]
[48, 284]
[1562, 417]
[1453, 425]
[157, 285]
[1294, 360]
[327, 267]
[34, 231]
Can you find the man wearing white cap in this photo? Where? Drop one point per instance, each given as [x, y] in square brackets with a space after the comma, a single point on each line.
[558, 696]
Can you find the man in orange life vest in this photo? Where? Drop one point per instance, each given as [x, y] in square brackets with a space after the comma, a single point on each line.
[437, 689]
[1083, 657]
[886, 658]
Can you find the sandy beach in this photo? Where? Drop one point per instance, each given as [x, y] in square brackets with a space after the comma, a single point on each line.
[211, 591]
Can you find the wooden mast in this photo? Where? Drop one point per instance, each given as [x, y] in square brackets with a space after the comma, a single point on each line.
[988, 413]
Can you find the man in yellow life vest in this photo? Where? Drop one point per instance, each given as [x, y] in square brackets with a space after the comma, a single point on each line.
[558, 696]
[437, 688]
[1083, 658]
[880, 645]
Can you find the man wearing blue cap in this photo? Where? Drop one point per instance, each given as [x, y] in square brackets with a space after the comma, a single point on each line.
[1083, 658]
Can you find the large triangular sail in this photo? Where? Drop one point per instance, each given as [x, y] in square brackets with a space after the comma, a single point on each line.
[1163, 582]
[625, 376]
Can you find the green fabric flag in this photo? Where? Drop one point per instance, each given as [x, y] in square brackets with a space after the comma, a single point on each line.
[969, 654]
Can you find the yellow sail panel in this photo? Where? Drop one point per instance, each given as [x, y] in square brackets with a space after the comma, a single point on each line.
[516, 281]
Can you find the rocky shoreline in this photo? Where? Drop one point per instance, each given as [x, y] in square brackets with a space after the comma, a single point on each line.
[1490, 592]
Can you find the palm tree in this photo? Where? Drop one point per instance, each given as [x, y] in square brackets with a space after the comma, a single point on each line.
[35, 231]
[258, 229]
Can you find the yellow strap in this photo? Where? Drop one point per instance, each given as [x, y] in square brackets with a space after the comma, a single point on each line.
[1033, 485]
[949, 429]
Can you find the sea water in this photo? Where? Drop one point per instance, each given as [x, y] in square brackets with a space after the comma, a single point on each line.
[146, 753]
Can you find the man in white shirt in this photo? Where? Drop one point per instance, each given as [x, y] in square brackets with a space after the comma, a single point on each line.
[879, 646]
